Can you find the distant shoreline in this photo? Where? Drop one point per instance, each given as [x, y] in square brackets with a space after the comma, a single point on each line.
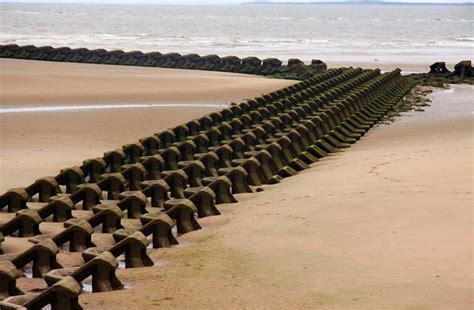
[363, 3]
[250, 3]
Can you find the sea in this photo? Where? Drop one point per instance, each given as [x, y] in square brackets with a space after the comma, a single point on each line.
[330, 32]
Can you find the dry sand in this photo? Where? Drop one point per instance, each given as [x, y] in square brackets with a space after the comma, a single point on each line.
[37, 144]
[27, 82]
[385, 225]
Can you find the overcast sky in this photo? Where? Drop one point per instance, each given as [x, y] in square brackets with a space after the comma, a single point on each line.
[201, 1]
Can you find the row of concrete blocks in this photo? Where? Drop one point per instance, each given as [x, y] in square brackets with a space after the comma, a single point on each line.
[249, 65]
[370, 109]
[196, 136]
[140, 176]
[175, 180]
[193, 171]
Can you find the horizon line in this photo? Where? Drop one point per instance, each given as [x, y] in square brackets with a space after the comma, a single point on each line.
[261, 2]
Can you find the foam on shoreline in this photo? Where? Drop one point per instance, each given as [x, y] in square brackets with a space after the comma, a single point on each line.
[65, 108]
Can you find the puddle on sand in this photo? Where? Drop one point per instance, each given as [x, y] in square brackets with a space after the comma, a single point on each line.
[87, 287]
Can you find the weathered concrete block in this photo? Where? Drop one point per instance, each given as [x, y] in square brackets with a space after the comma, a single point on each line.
[270, 66]
[78, 54]
[133, 152]
[101, 268]
[464, 68]
[159, 225]
[228, 64]
[152, 59]
[133, 247]
[8, 276]
[94, 56]
[167, 138]
[114, 160]
[249, 65]
[209, 62]
[238, 177]
[153, 165]
[132, 58]
[41, 255]
[60, 54]
[134, 202]
[134, 174]
[26, 223]
[177, 180]
[194, 170]
[60, 207]
[14, 199]
[151, 145]
[189, 61]
[209, 160]
[438, 67]
[93, 168]
[203, 198]
[112, 57]
[113, 183]
[77, 233]
[171, 157]
[63, 295]
[45, 188]
[9, 50]
[157, 190]
[89, 194]
[109, 216]
[186, 149]
[182, 210]
[170, 60]
[71, 178]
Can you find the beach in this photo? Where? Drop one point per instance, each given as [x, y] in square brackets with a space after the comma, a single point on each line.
[27, 83]
[387, 224]
[36, 144]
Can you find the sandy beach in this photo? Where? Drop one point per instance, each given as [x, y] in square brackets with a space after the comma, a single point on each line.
[29, 83]
[380, 220]
[386, 224]
[37, 144]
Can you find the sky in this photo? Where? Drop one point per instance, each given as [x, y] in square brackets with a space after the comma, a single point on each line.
[207, 1]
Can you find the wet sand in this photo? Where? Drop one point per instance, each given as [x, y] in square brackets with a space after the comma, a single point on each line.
[386, 224]
[37, 144]
[27, 82]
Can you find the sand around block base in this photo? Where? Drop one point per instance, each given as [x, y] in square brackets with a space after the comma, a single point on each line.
[386, 224]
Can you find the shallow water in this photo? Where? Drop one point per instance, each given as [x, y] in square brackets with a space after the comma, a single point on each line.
[341, 32]
[66, 108]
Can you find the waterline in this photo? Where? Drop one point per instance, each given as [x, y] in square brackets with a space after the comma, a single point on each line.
[105, 107]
